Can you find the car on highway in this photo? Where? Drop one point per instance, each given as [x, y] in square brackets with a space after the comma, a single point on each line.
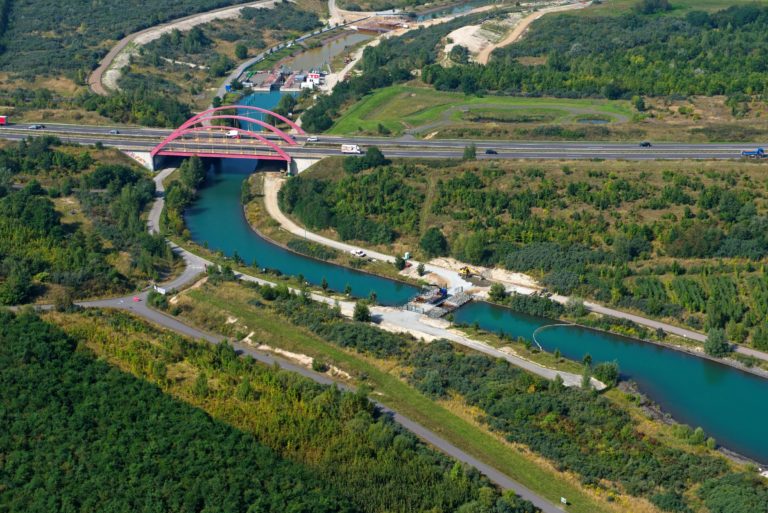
[312, 138]
[36, 127]
[114, 131]
[489, 151]
[645, 144]
[357, 252]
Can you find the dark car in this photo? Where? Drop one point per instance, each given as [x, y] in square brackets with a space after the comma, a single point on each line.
[491, 152]
[36, 127]
[645, 144]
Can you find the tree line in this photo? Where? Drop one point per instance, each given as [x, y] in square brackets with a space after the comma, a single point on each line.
[621, 56]
[358, 456]
[38, 250]
[375, 207]
[577, 429]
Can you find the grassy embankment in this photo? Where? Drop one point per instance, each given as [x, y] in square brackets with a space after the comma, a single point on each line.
[440, 114]
[214, 308]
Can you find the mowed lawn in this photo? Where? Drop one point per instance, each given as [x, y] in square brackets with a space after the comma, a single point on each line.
[401, 107]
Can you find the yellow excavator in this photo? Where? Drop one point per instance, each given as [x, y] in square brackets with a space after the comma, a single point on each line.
[468, 272]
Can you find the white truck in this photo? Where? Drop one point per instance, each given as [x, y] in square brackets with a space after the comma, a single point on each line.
[233, 134]
[350, 148]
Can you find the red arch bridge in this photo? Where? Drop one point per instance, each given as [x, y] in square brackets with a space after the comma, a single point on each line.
[204, 135]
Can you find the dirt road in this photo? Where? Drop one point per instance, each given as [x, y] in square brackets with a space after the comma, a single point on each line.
[105, 77]
[520, 29]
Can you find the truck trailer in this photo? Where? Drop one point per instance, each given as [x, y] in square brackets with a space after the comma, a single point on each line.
[350, 148]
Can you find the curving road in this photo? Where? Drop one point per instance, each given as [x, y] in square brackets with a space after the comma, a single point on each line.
[96, 78]
[196, 264]
[272, 185]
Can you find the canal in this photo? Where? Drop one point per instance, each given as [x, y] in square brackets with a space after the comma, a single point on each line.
[728, 403]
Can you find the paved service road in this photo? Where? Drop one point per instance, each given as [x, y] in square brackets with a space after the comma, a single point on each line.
[495, 476]
[141, 309]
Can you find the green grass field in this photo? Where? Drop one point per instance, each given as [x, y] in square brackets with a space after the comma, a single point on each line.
[400, 108]
[231, 300]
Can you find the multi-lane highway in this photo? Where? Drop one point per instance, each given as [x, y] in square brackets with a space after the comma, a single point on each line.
[144, 139]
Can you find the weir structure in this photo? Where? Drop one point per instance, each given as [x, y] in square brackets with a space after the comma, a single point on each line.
[210, 134]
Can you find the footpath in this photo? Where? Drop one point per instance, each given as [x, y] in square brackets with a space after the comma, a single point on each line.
[196, 264]
[523, 285]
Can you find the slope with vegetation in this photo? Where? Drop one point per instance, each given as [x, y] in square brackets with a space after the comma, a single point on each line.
[577, 430]
[80, 235]
[633, 54]
[70, 36]
[356, 455]
[681, 241]
[78, 434]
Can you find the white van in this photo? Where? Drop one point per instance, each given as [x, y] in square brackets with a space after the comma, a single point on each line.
[233, 134]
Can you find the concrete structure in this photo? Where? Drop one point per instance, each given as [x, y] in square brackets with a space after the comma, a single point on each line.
[296, 166]
[202, 136]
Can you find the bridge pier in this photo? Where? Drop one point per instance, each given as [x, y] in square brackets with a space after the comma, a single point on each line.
[142, 157]
[297, 165]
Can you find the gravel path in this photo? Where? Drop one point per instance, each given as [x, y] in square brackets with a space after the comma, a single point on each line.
[141, 309]
[272, 186]
[105, 77]
[520, 29]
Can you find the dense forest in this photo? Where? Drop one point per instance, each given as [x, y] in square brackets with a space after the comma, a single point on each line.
[358, 457]
[367, 209]
[630, 54]
[79, 435]
[578, 430]
[38, 250]
[686, 244]
[44, 36]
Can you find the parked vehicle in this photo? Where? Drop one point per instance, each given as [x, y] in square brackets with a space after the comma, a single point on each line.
[357, 252]
[759, 153]
[351, 148]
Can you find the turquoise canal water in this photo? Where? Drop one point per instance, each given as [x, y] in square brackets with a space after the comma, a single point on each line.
[217, 218]
[264, 100]
[729, 404]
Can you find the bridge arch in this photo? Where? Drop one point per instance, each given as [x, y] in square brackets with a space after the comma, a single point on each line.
[208, 112]
[160, 148]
